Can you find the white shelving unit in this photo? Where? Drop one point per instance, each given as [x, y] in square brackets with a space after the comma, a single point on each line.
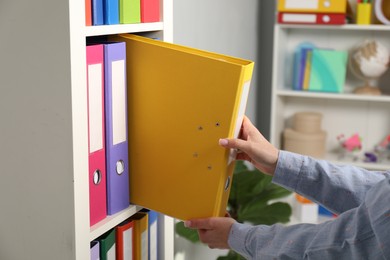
[43, 135]
[343, 113]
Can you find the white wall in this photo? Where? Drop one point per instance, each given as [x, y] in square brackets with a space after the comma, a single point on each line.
[225, 26]
[229, 27]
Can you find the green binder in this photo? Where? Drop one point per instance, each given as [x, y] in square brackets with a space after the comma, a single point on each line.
[107, 245]
[328, 70]
[129, 11]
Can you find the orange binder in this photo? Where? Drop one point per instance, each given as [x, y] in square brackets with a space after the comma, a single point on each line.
[140, 236]
[181, 101]
[313, 6]
[88, 13]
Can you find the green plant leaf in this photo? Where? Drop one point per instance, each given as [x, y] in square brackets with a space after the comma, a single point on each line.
[240, 166]
[187, 233]
[231, 256]
[257, 213]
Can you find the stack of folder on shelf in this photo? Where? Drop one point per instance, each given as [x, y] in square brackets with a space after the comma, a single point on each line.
[135, 238]
[107, 129]
[312, 12]
[318, 69]
[106, 12]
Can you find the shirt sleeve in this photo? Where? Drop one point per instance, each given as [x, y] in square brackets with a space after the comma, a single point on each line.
[359, 233]
[336, 187]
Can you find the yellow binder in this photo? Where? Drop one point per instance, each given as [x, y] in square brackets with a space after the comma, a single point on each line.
[140, 236]
[180, 102]
[313, 6]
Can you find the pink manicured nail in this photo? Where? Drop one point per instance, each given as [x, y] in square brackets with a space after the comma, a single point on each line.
[223, 142]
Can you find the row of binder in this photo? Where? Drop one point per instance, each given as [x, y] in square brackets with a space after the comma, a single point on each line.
[106, 12]
[312, 12]
[134, 239]
[180, 102]
[107, 129]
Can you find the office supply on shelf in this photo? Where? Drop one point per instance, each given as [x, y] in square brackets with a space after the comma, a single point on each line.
[97, 12]
[175, 119]
[150, 11]
[108, 245]
[95, 250]
[88, 13]
[152, 231]
[307, 68]
[117, 160]
[96, 139]
[328, 70]
[363, 13]
[312, 6]
[129, 11]
[311, 18]
[111, 11]
[299, 66]
[141, 236]
[124, 240]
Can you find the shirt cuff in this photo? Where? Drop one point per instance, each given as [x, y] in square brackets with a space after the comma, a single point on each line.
[237, 237]
[288, 170]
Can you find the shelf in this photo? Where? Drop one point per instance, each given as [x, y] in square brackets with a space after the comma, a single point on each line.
[112, 221]
[333, 96]
[338, 27]
[346, 161]
[122, 28]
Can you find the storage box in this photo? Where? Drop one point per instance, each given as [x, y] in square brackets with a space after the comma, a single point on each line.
[306, 144]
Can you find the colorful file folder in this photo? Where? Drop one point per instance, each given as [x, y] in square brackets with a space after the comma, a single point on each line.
[97, 12]
[111, 11]
[129, 11]
[88, 13]
[108, 245]
[328, 70]
[311, 18]
[313, 6]
[95, 250]
[153, 233]
[140, 236]
[116, 127]
[180, 102]
[124, 240]
[96, 133]
[150, 11]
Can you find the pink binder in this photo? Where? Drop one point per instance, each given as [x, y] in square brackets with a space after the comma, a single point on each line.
[96, 140]
[150, 11]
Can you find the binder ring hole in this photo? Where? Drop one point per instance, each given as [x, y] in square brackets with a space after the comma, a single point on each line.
[200, 128]
[97, 177]
[120, 167]
[217, 124]
[227, 183]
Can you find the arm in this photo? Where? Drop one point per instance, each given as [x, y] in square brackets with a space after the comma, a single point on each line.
[360, 233]
[315, 179]
[339, 188]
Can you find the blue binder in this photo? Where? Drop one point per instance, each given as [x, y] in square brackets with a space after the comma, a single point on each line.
[97, 12]
[111, 11]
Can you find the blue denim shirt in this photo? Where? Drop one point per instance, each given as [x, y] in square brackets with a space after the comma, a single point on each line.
[361, 231]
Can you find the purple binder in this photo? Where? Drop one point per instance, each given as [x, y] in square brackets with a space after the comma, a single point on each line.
[116, 127]
[95, 250]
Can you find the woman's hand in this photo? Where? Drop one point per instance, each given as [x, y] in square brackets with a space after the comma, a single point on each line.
[213, 231]
[253, 147]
